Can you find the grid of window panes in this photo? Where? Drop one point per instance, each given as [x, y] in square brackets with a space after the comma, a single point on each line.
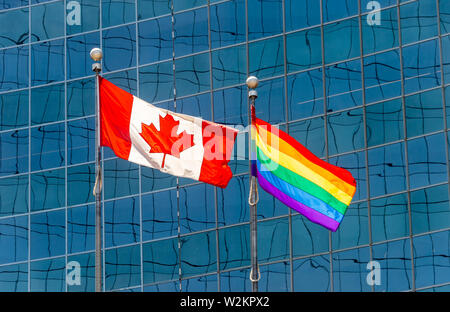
[364, 89]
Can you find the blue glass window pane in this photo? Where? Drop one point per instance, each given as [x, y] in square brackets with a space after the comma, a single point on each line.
[156, 82]
[14, 278]
[421, 72]
[384, 122]
[81, 228]
[155, 40]
[47, 104]
[14, 239]
[383, 36]
[424, 113]
[199, 105]
[9, 4]
[301, 13]
[191, 32]
[47, 21]
[382, 76]
[234, 247]
[79, 63]
[275, 277]
[266, 58]
[395, 265]
[80, 98]
[14, 69]
[81, 141]
[126, 80]
[47, 62]
[47, 146]
[13, 27]
[431, 265]
[152, 8]
[229, 66]
[304, 49]
[444, 10]
[230, 106]
[159, 215]
[197, 209]
[446, 58]
[120, 178]
[356, 164]
[430, 209]
[272, 242]
[227, 23]
[200, 284]
[311, 134]
[383, 3]
[269, 206]
[192, 74]
[344, 86]
[80, 182]
[418, 20]
[345, 131]
[265, 18]
[387, 169]
[271, 101]
[163, 287]
[82, 15]
[153, 180]
[122, 222]
[312, 274]
[354, 228]
[232, 202]
[198, 254]
[349, 270]
[308, 237]
[160, 260]
[119, 47]
[426, 160]
[115, 12]
[14, 108]
[305, 94]
[235, 281]
[87, 273]
[337, 9]
[123, 267]
[390, 218]
[47, 190]
[48, 235]
[341, 40]
[48, 275]
[14, 155]
[13, 195]
[179, 5]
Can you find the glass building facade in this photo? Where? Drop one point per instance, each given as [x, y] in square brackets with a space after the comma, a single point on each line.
[363, 84]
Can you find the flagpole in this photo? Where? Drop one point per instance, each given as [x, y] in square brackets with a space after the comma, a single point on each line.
[96, 55]
[252, 83]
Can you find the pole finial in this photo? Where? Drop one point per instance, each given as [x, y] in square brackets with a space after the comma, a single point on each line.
[252, 82]
[96, 55]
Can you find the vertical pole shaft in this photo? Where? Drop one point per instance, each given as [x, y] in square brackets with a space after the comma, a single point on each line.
[254, 274]
[98, 198]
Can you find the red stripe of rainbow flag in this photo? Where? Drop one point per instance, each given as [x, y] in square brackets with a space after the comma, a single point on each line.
[290, 172]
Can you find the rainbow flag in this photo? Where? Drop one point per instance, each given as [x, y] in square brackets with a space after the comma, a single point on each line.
[287, 170]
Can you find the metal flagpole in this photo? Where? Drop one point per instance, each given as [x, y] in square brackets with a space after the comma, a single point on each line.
[96, 55]
[252, 83]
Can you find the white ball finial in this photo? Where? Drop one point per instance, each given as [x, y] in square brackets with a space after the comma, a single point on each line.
[252, 82]
[96, 54]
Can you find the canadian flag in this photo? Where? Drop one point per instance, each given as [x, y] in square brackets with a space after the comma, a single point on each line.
[177, 144]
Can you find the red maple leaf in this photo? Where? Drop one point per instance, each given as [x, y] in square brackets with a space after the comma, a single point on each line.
[166, 140]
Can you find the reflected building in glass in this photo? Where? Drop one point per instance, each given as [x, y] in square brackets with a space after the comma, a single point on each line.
[362, 84]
